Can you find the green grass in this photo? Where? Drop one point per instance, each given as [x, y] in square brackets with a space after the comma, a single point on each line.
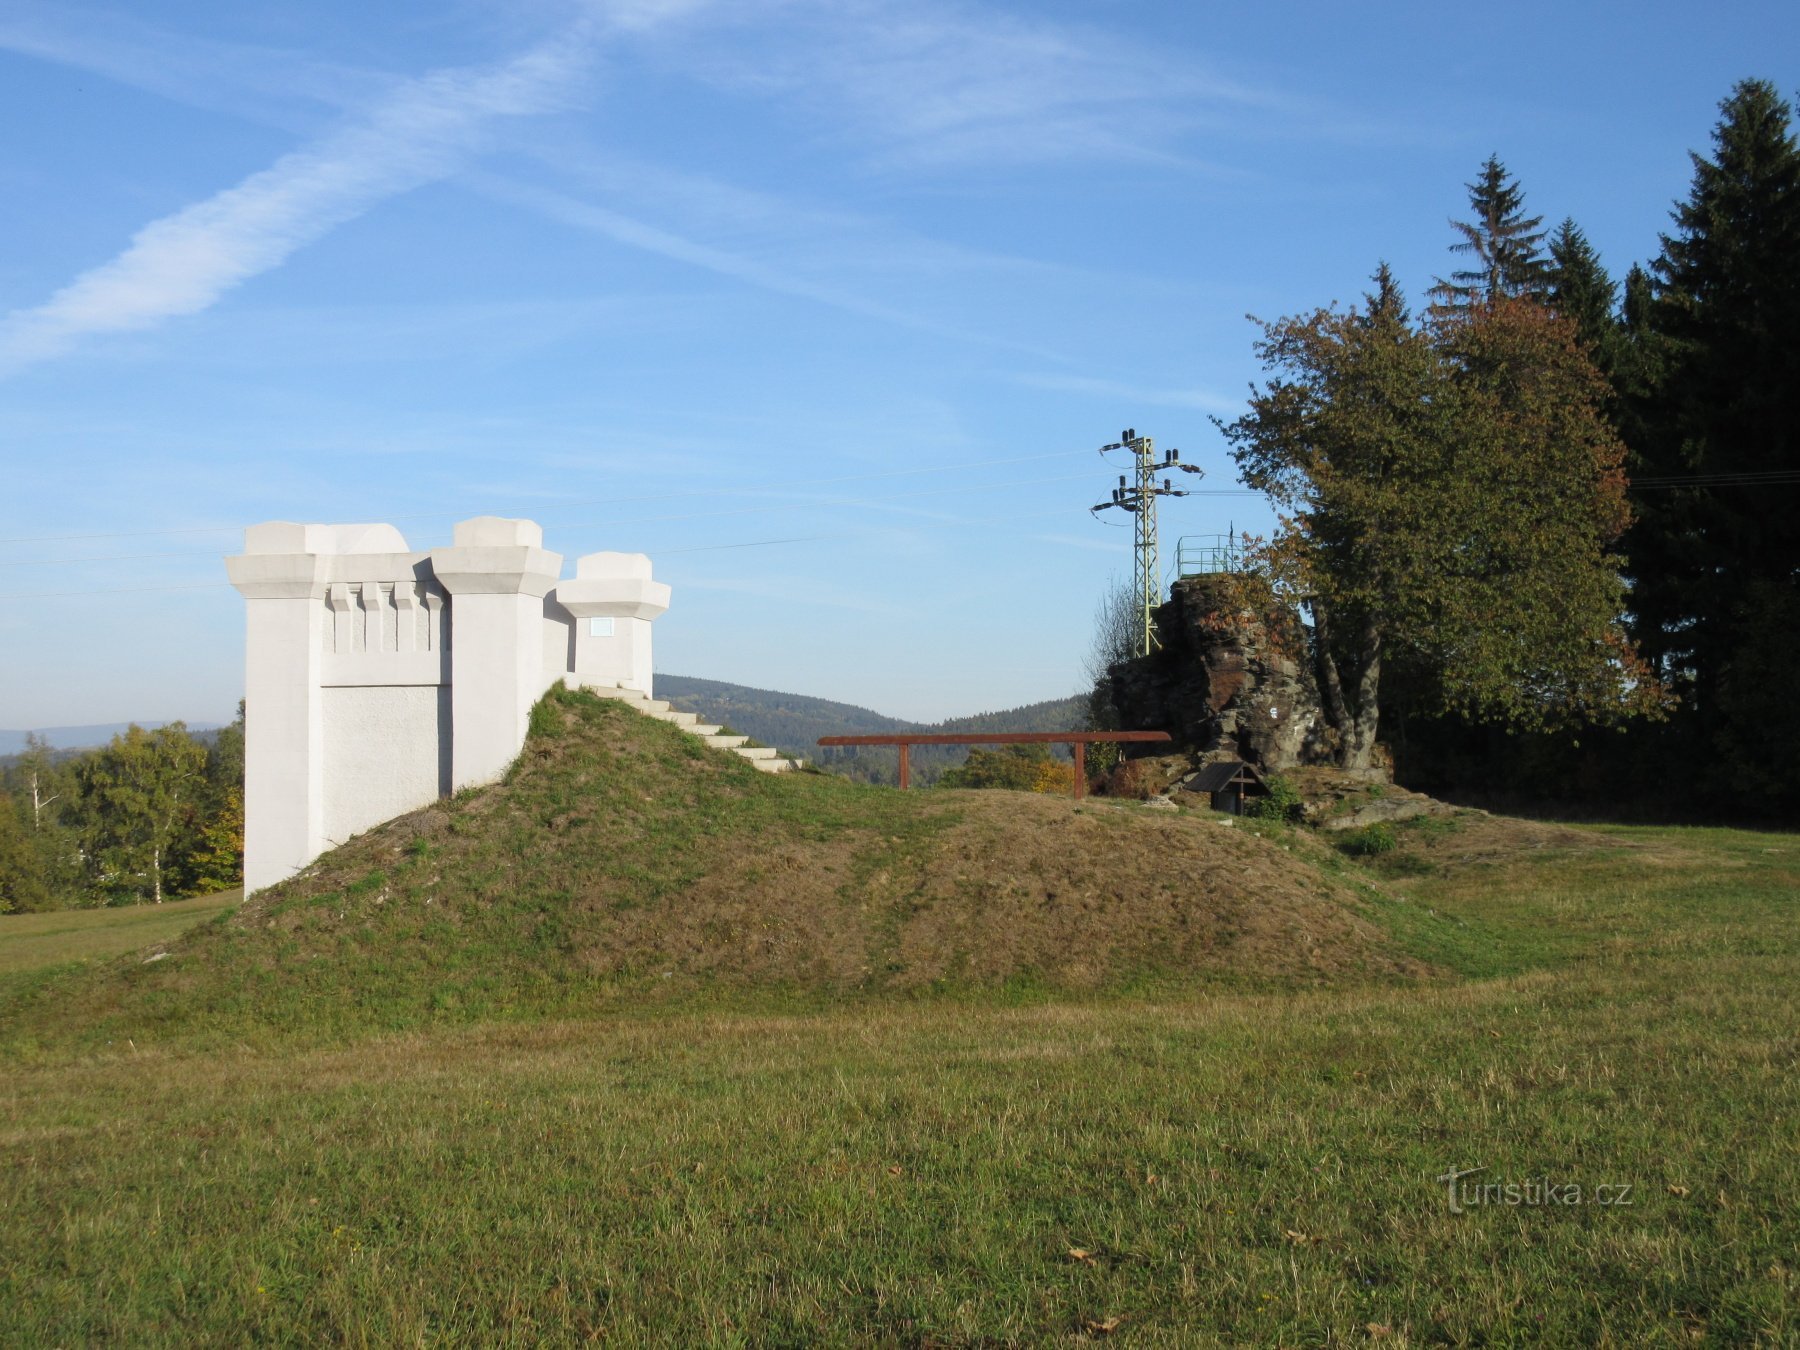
[34, 942]
[1616, 1008]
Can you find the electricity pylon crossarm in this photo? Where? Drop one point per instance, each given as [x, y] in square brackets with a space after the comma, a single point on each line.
[1137, 494]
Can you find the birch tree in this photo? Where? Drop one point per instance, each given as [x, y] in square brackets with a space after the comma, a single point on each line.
[138, 797]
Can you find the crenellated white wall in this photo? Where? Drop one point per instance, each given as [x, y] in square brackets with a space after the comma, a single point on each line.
[378, 679]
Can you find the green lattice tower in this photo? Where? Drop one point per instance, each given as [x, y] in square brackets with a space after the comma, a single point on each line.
[1139, 498]
[1148, 576]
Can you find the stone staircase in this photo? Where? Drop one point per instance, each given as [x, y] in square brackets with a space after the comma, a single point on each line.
[764, 757]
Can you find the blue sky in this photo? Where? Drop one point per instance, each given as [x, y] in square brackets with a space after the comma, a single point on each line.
[871, 277]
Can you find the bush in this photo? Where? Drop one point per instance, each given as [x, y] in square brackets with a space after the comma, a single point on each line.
[1102, 758]
[1023, 768]
[1129, 778]
[1370, 841]
[1282, 803]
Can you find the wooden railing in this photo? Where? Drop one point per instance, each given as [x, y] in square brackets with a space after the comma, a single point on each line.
[1080, 740]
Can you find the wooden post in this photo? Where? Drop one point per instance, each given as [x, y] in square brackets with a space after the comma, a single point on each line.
[905, 775]
[1080, 770]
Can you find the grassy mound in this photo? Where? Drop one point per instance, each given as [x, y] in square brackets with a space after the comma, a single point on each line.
[623, 864]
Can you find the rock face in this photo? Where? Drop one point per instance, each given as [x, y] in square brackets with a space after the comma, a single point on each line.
[1336, 800]
[1226, 682]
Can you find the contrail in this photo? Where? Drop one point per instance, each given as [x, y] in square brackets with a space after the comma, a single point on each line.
[183, 263]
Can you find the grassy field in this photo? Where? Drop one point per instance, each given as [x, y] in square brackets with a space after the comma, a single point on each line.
[1174, 1164]
[32, 942]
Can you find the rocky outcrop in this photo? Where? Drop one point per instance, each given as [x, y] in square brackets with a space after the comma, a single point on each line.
[1226, 682]
[1335, 800]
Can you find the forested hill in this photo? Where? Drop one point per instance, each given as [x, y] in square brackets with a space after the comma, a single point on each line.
[87, 737]
[794, 723]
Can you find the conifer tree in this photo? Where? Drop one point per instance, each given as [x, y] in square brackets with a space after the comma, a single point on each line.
[1716, 557]
[1582, 293]
[21, 867]
[1507, 247]
[45, 858]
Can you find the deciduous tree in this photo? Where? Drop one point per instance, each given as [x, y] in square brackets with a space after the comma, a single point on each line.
[1448, 494]
[137, 797]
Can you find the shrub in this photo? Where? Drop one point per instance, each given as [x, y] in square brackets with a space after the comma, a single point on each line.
[1129, 778]
[1102, 758]
[1370, 841]
[1023, 768]
[1282, 803]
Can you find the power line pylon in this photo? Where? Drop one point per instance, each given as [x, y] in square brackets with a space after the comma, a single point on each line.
[1139, 498]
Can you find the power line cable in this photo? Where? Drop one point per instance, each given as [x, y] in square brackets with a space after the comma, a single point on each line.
[1060, 512]
[1773, 478]
[793, 505]
[594, 501]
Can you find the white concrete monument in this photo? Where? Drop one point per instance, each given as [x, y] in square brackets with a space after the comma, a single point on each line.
[378, 679]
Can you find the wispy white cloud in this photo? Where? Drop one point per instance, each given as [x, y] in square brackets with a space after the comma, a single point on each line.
[1116, 391]
[826, 255]
[265, 84]
[592, 216]
[947, 84]
[183, 263]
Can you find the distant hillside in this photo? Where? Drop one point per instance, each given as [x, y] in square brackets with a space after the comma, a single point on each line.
[794, 723]
[85, 738]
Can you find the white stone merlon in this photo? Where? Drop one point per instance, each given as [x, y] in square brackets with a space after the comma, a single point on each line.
[378, 679]
[497, 574]
[616, 589]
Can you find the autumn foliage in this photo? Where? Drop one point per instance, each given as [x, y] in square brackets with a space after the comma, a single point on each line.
[1450, 493]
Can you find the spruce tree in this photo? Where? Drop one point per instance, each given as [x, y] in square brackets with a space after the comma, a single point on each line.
[1717, 550]
[1581, 292]
[1506, 244]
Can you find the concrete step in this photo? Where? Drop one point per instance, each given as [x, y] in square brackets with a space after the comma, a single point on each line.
[774, 765]
[724, 742]
[704, 731]
[685, 720]
[635, 697]
[755, 751]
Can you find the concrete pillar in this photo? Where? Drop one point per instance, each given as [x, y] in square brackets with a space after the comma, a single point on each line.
[283, 584]
[614, 601]
[497, 573]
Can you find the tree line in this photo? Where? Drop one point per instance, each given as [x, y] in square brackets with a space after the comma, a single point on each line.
[153, 815]
[1546, 530]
